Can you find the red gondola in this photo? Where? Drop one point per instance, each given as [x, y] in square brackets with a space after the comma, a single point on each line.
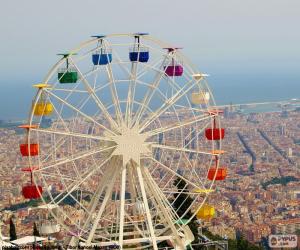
[220, 174]
[29, 149]
[32, 192]
[214, 133]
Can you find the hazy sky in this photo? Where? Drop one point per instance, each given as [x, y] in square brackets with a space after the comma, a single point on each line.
[222, 37]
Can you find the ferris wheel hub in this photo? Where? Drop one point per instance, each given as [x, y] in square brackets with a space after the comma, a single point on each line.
[131, 144]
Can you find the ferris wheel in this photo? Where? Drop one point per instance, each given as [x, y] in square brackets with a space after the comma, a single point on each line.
[124, 139]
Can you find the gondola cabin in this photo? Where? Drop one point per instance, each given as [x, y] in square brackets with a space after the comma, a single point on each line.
[200, 97]
[42, 108]
[32, 192]
[215, 134]
[139, 54]
[218, 174]
[102, 59]
[67, 75]
[206, 212]
[29, 149]
[49, 227]
[174, 70]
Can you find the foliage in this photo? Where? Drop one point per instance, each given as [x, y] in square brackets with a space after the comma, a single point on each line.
[279, 180]
[35, 230]
[12, 230]
[251, 168]
[239, 244]
[182, 204]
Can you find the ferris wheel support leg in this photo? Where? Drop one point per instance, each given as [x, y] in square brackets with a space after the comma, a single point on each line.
[108, 176]
[122, 208]
[74, 240]
[149, 219]
[133, 194]
[149, 182]
[101, 210]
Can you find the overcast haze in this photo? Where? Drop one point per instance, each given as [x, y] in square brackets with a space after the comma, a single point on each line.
[232, 37]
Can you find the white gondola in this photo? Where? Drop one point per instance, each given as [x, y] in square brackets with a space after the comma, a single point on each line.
[200, 97]
[140, 207]
[47, 228]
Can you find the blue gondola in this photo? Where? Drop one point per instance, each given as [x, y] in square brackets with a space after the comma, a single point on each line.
[139, 54]
[103, 55]
[102, 59]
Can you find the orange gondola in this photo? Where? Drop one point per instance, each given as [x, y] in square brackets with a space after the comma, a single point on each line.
[31, 149]
[217, 173]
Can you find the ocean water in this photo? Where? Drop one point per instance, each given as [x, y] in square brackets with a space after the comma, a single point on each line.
[15, 98]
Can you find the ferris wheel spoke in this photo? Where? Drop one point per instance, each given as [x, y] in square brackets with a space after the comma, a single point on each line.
[72, 134]
[130, 94]
[174, 173]
[114, 94]
[75, 157]
[168, 214]
[70, 90]
[186, 150]
[146, 68]
[195, 109]
[55, 176]
[150, 93]
[193, 172]
[168, 103]
[179, 124]
[84, 177]
[80, 112]
[197, 134]
[122, 204]
[96, 99]
[146, 205]
[162, 197]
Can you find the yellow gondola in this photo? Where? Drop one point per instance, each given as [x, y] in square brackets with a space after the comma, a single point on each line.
[43, 108]
[206, 212]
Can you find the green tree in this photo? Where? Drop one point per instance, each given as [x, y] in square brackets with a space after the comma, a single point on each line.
[12, 230]
[35, 230]
[182, 203]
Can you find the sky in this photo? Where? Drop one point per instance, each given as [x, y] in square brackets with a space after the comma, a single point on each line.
[236, 42]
